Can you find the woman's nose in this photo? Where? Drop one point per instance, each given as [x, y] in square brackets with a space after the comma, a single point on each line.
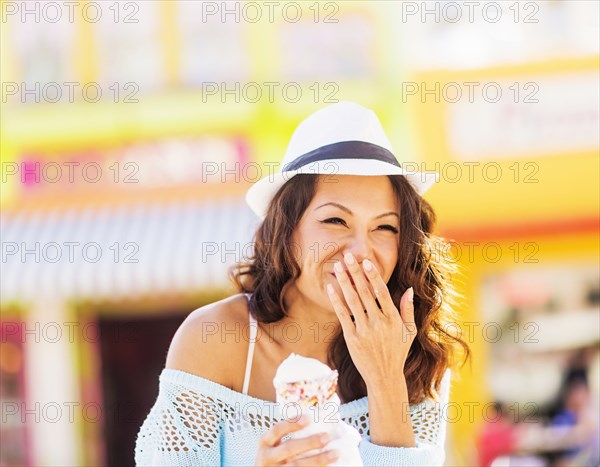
[361, 248]
[360, 256]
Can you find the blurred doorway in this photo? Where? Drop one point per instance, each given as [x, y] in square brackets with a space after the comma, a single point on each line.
[133, 352]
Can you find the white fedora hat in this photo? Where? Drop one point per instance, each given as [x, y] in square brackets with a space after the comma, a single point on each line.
[340, 139]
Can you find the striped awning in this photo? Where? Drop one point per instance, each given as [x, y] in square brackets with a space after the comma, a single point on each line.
[118, 252]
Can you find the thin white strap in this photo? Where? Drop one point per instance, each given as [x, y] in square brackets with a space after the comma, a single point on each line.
[253, 332]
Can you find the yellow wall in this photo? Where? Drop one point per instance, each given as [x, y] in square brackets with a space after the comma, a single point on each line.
[567, 192]
[567, 183]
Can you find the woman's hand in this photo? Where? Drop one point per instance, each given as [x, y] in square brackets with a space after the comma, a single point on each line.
[271, 451]
[379, 339]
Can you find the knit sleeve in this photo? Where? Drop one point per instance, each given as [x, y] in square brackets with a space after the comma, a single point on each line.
[429, 427]
[183, 428]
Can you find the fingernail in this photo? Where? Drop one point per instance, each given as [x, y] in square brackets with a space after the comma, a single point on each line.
[349, 258]
[338, 267]
[330, 289]
[367, 265]
[324, 438]
[410, 294]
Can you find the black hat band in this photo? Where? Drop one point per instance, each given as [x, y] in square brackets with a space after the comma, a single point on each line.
[343, 150]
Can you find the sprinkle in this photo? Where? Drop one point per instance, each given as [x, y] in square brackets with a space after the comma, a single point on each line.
[309, 393]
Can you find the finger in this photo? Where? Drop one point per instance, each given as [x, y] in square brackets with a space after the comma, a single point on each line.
[380, 288]
[407, 311]
[294, 448]
[362, 286]
[279, 430]
[350, 294]
[340, 309]
[322, 458]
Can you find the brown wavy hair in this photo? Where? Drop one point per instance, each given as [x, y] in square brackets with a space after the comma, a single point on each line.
[273, 268]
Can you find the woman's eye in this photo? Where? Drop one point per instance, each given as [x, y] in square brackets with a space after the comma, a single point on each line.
[337, 220]
[389, 227]
[334, 220]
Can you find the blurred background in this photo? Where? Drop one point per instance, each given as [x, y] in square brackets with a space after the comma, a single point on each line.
[131, 130]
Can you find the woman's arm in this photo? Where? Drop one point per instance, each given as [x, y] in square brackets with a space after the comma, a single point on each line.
[429, 427]
[389, 414]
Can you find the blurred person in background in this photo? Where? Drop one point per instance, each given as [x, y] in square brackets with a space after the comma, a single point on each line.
[498, 436]
[572, 436]
[576, 423]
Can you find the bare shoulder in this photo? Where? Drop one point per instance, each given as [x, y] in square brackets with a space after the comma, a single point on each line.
[210, 342]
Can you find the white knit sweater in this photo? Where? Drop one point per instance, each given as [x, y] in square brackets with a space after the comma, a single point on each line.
[197, 422]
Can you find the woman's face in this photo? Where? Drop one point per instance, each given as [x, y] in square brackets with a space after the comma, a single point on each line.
[349, 213]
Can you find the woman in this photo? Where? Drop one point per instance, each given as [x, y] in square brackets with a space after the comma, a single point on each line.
[344, 271]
